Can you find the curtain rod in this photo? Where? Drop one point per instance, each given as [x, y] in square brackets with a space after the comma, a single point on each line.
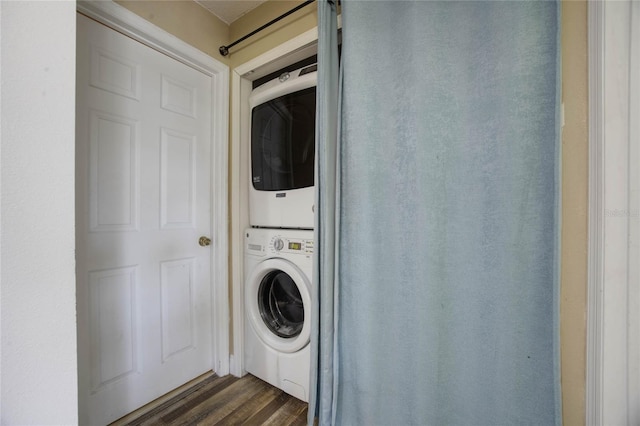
[224, 50]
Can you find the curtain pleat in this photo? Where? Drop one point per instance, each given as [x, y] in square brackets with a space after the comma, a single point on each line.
[444, 271]
[324, 300]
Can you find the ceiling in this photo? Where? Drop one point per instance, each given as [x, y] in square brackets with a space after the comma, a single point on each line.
[229, 10]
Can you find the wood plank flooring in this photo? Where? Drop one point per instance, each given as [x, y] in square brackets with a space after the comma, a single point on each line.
[224, 400]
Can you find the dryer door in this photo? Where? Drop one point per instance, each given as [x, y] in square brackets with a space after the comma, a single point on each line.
[283, 142]
[278, 304]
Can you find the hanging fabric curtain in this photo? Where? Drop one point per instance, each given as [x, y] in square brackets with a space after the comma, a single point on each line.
[327, 208]
[437, 273]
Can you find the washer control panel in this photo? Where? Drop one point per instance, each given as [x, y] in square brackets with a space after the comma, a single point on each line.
[281, 244]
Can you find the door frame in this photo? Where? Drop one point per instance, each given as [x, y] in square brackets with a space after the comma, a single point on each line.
[128, 23]
[613, 317]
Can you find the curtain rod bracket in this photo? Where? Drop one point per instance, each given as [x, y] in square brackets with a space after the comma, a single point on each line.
[224, 50]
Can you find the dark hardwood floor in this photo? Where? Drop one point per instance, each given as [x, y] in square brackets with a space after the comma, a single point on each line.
[224, 401]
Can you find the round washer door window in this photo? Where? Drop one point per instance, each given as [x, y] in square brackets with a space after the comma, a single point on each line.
[280, 304]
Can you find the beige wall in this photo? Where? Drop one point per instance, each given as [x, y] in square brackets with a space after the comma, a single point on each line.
[291, 26]
[206, 32]
[196, 26]
[186, 20]
[573, 297]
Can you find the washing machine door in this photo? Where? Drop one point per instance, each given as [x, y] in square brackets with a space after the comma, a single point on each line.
[278, 304]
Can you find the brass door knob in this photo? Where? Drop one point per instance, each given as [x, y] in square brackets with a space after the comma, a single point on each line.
[204, 241]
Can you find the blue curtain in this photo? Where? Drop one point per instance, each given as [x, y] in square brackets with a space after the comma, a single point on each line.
[327, 213]
[437, 265]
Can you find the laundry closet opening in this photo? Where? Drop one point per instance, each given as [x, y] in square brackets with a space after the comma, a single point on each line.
[290, 57]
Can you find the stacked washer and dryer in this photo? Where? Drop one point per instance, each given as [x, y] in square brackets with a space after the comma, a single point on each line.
[279, 244]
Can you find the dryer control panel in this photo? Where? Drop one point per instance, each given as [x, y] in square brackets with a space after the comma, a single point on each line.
[281, 244]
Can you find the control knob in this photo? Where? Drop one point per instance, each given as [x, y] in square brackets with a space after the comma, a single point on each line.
[278, 244]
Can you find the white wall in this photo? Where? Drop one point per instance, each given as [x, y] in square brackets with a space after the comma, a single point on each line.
[37, 305]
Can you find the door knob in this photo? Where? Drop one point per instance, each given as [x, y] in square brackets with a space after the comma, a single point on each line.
[204, 241]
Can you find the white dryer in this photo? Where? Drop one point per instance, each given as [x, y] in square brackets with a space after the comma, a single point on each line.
[278, 266]
[283, 129]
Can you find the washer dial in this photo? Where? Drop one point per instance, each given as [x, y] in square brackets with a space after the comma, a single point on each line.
[278, 244]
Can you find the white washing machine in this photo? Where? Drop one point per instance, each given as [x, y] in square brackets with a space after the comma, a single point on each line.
[278, 266]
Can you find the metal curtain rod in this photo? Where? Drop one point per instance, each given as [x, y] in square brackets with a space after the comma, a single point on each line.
[224, 50]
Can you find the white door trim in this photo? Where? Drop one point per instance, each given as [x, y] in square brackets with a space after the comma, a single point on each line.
[596, 209]
[613, 318]
[130, 24]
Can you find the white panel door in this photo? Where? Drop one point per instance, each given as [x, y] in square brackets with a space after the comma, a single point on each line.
[143, 202]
